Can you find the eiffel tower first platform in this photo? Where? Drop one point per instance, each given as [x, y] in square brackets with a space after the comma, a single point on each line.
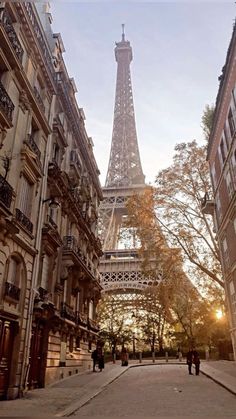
[120, 267]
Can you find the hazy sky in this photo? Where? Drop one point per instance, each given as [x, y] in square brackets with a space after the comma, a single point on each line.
[179, 49]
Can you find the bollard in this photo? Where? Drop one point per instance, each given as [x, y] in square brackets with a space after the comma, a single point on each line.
[140, 357]
[166, 355]
[180, 356]
[153, 357]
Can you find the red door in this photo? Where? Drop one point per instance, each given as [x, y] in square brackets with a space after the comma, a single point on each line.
[6, 346]
[36, 371]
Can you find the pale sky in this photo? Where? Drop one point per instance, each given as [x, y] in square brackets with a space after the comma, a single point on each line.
[179, 49]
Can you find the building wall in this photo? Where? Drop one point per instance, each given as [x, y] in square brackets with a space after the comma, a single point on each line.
[222, 160]
[49, 197]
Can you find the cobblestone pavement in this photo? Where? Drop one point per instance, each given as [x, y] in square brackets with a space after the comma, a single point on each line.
[64, 397]
[161, 391]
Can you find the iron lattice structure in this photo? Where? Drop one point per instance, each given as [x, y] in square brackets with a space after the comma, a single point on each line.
[120, 268]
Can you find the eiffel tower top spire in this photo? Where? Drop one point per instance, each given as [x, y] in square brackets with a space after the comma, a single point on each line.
[124, 167]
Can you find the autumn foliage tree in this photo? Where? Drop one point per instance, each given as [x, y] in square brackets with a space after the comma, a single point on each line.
[178, 199]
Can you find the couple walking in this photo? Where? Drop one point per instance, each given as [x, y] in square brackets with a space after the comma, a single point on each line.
[193, 358]
[98, 358]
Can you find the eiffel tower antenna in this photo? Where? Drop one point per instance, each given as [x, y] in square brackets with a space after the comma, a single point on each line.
[123, 32]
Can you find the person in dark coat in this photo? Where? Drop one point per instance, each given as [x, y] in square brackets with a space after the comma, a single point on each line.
[100, 358]
[190, 360]
[196, 361]
[94, 358]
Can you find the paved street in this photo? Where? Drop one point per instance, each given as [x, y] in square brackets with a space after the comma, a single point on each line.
[146, 390]
[156, 391]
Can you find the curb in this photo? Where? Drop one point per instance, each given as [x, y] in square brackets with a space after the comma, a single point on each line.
[84, 400]
[227, 387]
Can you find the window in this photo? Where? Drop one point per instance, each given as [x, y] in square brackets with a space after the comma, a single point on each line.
[90, 309]
[222, 151]
[231, 123]
[25, 196]
[233, 160]
[225, 253]
[213, 175]
[78, 342]
[14, 271]
[233, 301]
[229, 184]
[56, 153]
[218, 207]
[45, 271]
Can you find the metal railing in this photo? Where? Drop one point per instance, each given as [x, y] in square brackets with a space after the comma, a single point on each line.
[6, 192]
[12, 291]
[6, 22]
[67, 312]
[23, 220]
[33, 146]
[6, 105]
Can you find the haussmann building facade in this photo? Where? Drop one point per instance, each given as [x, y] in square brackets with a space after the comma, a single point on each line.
[222, 161]
[49, 198]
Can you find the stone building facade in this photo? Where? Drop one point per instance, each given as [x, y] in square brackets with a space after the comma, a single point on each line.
[49, 198]
[222, 161]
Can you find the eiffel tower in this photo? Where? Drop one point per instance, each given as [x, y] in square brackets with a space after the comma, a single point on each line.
[120, 267]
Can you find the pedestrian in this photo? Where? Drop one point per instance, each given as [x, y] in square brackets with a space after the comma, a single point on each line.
[196, 360]
[124, 357]
[94, 358]
[100, 358]
[190, 360]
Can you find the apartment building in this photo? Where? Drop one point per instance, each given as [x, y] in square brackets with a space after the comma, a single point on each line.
[49, 198]
[222, 162]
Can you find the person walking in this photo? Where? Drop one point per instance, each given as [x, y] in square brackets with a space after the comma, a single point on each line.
[190, 360]
[94, 358]
[100, 359]
[196, 361]
[124, 357]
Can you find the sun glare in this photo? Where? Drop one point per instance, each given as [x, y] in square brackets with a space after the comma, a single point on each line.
[219, 314]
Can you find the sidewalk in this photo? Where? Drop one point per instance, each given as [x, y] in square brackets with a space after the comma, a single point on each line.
[68, 395]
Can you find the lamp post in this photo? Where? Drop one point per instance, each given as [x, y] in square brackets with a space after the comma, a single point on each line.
[134, 318]
[134, 356]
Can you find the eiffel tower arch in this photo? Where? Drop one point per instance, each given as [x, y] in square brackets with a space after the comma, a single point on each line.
[120, 266]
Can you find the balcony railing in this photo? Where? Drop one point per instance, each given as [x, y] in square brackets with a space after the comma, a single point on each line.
[40, 37]
[23, 220]
[82, 318]
[32, 144]
[6, 105]
[12, 291]
[6, 22]
[208, 205]
[6, 192]
[67, 312]
[39, 99]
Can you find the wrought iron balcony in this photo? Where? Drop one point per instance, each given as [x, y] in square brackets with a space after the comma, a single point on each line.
[12, 291]
[208, 205]
[23, 220]
[82, 318]
[6, 105]
[70, 243]
[67, 312]
[39, 99]
[6, 22]
[32, 144]
[6, 192]
[40, 37]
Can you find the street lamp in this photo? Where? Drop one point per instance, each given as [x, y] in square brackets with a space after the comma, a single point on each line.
[134, 318]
